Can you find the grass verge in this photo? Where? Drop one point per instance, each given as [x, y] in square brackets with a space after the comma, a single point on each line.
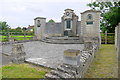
[105, 64]
[23, 71]
[0, 73]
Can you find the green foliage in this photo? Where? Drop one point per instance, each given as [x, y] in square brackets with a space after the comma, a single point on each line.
[51, 20]
[6, 30]
[109, 14]
[18, 29]
[4, 26]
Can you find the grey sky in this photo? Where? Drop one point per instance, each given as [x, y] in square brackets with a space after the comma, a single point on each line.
[22, 12]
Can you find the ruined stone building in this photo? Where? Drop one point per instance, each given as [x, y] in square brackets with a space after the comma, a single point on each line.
[69, 30]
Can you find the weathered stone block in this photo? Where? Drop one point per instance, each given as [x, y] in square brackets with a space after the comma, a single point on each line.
[72, 57]
[71, 53]
[18, 54]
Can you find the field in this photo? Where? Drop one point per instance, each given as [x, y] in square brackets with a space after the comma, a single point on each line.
[16, 37]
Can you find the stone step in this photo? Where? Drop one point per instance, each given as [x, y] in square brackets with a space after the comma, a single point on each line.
[61, 74]
[63, 41]
[69, 71]
[51, 76]
[71, 67]
[59, 38]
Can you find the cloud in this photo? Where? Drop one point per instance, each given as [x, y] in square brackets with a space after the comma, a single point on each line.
[22, 12]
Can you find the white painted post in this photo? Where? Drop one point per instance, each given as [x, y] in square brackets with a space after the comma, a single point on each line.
[105, 37]
[119, 50]
[24, 34]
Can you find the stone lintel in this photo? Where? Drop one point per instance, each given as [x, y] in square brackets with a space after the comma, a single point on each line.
[39, 18]
[90, 11]
[69, 9]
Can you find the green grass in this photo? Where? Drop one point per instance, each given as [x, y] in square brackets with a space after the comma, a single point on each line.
[105, 64]
[0, 73]
[4, 38]
[23, 71]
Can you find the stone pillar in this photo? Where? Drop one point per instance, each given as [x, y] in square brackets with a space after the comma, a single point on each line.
[72, 57]
[18, 54]
[40, 24]
[118, 33]
[90, 25]
[118, 40]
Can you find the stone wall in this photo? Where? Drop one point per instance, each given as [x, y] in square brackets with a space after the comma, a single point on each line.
[53, 29]
[117, 35]
[117, 38]
[75, 63]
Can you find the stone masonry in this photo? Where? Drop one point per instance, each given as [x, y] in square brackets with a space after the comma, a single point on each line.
[88, 27]
[80, 63]
[117, 39]
[18, 54]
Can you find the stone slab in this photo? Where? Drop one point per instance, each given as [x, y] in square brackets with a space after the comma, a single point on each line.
[71, 53]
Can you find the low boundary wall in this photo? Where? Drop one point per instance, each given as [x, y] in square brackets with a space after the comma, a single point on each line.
[75, 71]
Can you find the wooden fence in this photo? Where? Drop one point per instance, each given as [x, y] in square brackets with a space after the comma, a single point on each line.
[5, 36]
[106, 38]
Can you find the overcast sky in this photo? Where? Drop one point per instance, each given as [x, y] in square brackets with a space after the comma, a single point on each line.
[22, 12]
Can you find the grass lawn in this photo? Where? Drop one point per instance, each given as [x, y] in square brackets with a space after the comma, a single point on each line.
[105, 64]
[4, 38]
[23, 71]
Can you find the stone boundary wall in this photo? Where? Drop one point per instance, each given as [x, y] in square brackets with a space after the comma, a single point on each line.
[14, 42]
[71, 71]
[117, 35]
[118, 39]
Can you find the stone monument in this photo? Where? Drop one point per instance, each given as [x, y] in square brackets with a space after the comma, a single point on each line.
[70, 28]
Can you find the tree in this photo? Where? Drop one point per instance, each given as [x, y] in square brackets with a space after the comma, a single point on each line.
[51, 20]
[4, 26]
[24, 28]
[18, 29]
[109, 14]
